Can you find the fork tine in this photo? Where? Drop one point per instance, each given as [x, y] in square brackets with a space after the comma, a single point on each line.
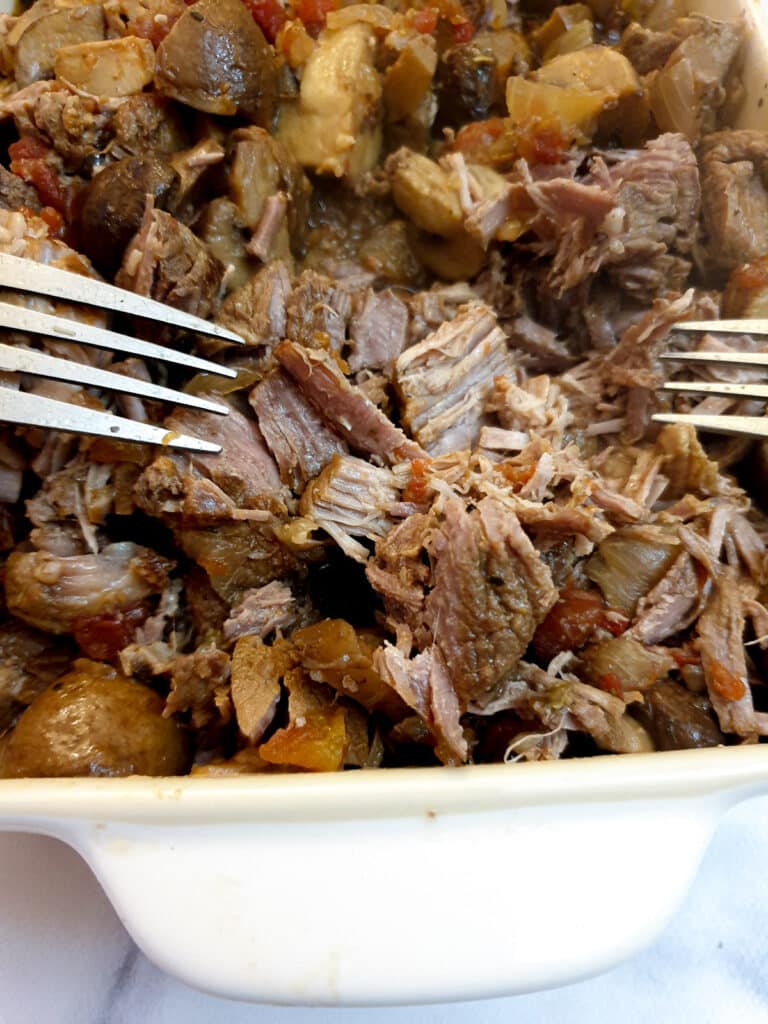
[742, 426]
[40, 364]
[37, 411]
[29, 276]
[31, 322]
[718, 388]
[732, 358]
[723, 326]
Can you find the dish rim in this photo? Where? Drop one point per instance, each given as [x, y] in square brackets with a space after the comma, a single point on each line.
[396, 792]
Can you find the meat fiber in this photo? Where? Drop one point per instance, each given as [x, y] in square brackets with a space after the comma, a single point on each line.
[256, 311]
[343, 406]
[444, 380]
[735, 198]
[261, 612]
[378, 331]
[293, 429]
[350, 499]
[423, 682]
[721, 645]
[167, 262]
[491, 590]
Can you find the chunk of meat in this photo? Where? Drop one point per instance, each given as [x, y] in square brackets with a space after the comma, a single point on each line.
[165, 261]
[200, 686]
[444, 380]
[318, 311]
[256, 310]
[244, 469]
[54, 592]
[672, 605]
[350, 499]
[400, 571]
[237, 556]
[687, 94]
[424, 684]
[15, 192]
[538, 407]
[378, 332]
[294, 431]
[343, 406]
[720, 630]
[78, 127]
[491, 590]
[649, 49]
[734, 197]
[257, 672]
[262, 611]
[658, 190]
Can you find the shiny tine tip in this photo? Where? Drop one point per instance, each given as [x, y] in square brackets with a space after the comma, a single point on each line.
[740, 426]
[37, 411]
[29, 276]
[723, 326]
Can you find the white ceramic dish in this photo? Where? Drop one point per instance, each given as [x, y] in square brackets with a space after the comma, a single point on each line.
[408, 885]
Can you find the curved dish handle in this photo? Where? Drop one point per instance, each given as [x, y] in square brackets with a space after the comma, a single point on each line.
[428, 908]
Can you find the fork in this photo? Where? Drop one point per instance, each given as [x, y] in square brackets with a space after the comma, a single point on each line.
[36, 410]
[744, 426]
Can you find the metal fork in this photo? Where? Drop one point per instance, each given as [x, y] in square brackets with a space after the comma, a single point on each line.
[35, 410]
[744, 426]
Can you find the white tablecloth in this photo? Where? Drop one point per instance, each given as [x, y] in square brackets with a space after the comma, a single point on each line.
[65, 958]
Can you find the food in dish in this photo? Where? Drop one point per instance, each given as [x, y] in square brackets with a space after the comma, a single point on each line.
[443, 527]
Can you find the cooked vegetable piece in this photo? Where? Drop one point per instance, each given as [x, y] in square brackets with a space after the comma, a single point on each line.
[216, 59]
[40, 32]
[334, 129]
[316, 744]
[678, 719]
[112, 206]
[93, 721]
[114, 67]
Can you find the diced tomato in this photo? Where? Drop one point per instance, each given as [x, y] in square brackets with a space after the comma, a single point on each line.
[53, 219]
[570, 622]
[463, 30]
[424, 20]
[615, 625]
[611, 683]
[28, 148]
[518, 476]
[542, 145]
[416, 488]
[102, 636]
[479, 133]
[683, 658]
[268, 15]
[725, 683]
[31, 160]
[313, 13]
